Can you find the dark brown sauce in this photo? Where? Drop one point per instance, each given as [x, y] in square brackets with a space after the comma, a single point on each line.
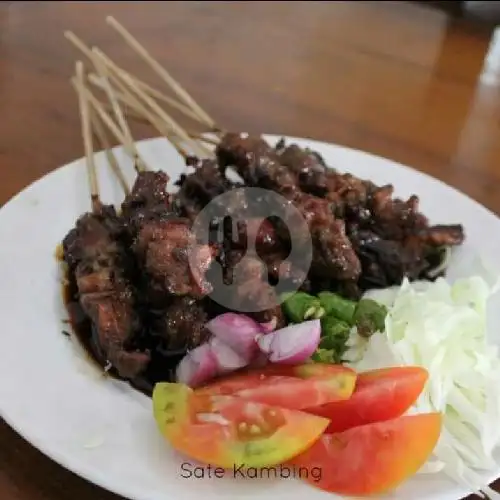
[162, 365]
[81, 325]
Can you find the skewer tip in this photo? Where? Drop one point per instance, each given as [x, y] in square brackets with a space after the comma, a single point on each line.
[110, 20]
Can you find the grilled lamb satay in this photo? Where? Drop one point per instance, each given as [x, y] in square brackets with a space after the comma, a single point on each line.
[256, 162]
[259, 165]
[359, 199]
[406, 243]
[394, 219]
[162, 241]
[397, 219]
[252, 288]
[443, 235]
[94, 256]
[181, 325]
[308, 166]
[201, 186]
[148, 200]
[97, 262]
[347, 193]
[172, 258]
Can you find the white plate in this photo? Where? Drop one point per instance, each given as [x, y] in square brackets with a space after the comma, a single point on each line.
[102, 429]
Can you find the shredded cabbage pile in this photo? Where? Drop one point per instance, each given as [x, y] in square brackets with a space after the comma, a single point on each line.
[442, 327]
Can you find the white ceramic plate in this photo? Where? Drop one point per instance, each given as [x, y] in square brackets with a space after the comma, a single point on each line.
[102, 429]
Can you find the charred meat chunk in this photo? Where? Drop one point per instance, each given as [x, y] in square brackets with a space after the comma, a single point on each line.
[147, 201]
[333, 253]
[149, 190]
[93, 236]
[442, 235]
[394, 218]
[256, 163]
[97, 261]
[200, 187]
[172, 258]
[308, 166]
[181, 326]
[253, 294]
[259, 165]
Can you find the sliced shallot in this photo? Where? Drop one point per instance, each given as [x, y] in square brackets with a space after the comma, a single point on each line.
[238, 332]
[264, 342]
[293, 344]
[227, 359]
[198, 366]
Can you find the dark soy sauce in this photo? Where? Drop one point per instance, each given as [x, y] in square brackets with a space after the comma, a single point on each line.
[162, 365]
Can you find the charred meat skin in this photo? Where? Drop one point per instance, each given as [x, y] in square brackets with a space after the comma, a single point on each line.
[181, 326]
[256, 162]
[394, 219]
[404, 240]
[347, 193]
[175, 262]
[442, 235]
[259, 165]
[93, 237]
[309, 168]
[149, 190]
[252, 288]
[200, 187]
[333, 254]
[93, 254]
[147, 201]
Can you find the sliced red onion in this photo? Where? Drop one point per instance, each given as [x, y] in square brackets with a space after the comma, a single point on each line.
[238, 332]
[293, 344]
[264, 342]
[227, 359]
[198, 366]
[270, 326]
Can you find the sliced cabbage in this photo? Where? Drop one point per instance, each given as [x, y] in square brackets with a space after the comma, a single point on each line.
[443, 328]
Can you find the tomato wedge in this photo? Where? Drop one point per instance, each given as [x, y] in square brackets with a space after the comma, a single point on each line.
[227, 431]
[371, 459]
[379, 395]
[291, 387]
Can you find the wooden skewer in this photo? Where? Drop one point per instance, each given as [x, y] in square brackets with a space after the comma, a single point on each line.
[98, 107]
[80, 45]
[162, 72]
[115, 71]
[132, 114]
[87, 137]
[101, 136]
[173, 128]
[202, 138]
[135, 111]
[103, 72]
[129, 148]
[128, 110]
[153, 92]
[146, 115]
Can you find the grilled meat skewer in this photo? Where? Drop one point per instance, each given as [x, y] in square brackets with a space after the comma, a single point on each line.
[96, 259]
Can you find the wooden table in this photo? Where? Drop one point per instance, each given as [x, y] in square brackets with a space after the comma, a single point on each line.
[396, 79]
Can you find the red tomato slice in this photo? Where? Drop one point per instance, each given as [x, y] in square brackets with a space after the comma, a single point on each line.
[379, 395]
[227, 431]
[292, 387]
[372, 459]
